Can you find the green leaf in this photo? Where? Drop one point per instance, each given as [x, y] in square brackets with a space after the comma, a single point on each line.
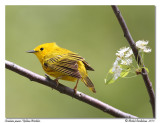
[110, 71]
[125, 66]
[124, 73]
[110, 77]
[109, 81]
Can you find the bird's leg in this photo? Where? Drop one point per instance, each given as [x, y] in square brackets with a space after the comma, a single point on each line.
[57, 80]
[48, 78]
[75, 88]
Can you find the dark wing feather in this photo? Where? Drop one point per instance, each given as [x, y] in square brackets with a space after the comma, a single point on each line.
[87, 66]
[75, 56]
[65, 63]
[66, 70]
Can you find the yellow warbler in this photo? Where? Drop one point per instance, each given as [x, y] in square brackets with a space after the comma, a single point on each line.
[63, 64]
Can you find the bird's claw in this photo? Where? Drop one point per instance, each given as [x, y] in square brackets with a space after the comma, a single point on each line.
[47, 77]
[56, 82]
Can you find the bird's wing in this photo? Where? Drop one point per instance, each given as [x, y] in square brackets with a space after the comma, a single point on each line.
[79, 58]
[64, 63]
[87, 66]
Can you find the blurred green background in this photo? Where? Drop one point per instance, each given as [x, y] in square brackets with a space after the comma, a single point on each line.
[94, 33]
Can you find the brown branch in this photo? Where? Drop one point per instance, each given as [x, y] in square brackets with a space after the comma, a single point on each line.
[68, 91]
[131, 42]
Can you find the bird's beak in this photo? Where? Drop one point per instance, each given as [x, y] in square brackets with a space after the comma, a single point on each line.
[31, 51]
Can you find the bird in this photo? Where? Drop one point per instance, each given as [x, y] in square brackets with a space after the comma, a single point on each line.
[63, 64]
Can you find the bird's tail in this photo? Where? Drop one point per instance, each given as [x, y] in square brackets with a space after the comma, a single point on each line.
[88, 83]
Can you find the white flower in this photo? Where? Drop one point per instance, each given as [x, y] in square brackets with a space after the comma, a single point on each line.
[120, 55]
[142, 45]
[125, 56]
[117, 72]
[115, 64]
[122, 52]
[126, 61]
[147, 50]
[129, 53]
[116, 69]
[118, 59]
[124, 49]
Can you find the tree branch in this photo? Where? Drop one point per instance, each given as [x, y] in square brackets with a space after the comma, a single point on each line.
[132, 44]
[68, 91]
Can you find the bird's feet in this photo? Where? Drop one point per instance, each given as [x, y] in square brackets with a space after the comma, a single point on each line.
[47, 77]
[75, 90]
[56, 82]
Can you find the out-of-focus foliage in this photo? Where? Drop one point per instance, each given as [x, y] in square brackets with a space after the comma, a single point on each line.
[94, 33]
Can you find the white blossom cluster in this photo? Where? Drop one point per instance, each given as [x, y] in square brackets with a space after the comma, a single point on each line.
[142, 46]
[124, 57]
[116, 69]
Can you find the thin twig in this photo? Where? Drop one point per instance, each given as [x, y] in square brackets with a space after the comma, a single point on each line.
[131, 42]
[68, 91]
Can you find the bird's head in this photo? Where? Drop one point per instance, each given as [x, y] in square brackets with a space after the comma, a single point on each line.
[43, 49]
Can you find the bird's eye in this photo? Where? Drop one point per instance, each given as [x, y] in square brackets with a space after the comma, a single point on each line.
[41, 49]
